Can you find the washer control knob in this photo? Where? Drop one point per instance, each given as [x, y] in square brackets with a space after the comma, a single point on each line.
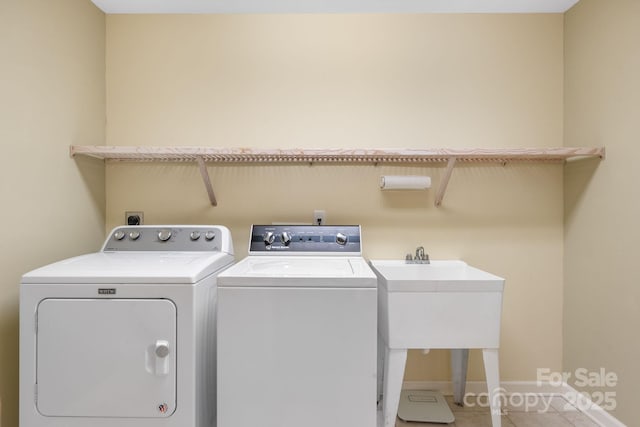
[268, 237]
[210, 235]
[164, 235]
[195, 235]
[341, 239]
[285, 238]
[134, 235]
[119, 235]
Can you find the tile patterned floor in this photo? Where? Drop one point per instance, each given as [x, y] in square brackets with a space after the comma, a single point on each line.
[547, 412]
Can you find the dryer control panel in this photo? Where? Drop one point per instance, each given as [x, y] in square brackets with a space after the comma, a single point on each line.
[167, 238]
[305, 239]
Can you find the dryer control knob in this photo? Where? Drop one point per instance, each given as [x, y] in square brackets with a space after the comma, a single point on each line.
[341, 239]
[119, 235]
[210, 235]
[134, 235]
[285, 238]
[164, 235]
[195, 235]
[268, 238]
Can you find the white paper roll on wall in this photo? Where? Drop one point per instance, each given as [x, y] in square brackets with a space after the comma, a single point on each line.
[405, 182]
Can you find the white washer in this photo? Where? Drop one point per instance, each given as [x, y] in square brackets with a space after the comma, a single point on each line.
[124, 336]
[297, 331]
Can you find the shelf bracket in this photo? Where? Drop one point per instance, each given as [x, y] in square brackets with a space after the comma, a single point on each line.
[445, 181]
[207, 181]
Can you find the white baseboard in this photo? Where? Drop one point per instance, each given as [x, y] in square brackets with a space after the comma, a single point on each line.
[593, 411]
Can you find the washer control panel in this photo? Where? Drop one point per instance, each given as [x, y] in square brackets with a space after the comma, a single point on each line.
[164, 238]
[305, 239]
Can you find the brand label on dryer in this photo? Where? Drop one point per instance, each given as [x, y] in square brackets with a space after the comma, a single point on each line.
[107, 291]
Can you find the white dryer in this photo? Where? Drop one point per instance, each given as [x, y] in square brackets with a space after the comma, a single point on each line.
[124, 336]
[297, 331]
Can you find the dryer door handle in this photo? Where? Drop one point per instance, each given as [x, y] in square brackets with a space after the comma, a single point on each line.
[161, 353]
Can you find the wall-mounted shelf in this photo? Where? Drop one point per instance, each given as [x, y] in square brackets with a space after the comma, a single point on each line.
[203, 155]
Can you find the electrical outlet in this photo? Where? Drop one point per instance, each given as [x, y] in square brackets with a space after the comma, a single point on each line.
[319, 217]
[134, 217]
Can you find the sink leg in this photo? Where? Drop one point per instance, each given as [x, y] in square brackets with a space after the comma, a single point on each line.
[394, 362]
[492, 372]
[459, 361]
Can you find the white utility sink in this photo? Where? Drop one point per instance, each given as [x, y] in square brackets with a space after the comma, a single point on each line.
[437, 276]
[443, 304]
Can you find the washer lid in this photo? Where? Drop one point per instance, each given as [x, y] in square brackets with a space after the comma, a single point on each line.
[299, 271]
[132, 267]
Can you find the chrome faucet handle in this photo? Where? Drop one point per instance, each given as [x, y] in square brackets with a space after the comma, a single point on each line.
[408, 258]
[421, 256]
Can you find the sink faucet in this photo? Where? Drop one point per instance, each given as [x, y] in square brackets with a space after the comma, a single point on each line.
[420, 258]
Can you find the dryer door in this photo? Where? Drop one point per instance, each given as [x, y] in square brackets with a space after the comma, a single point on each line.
[106, 358]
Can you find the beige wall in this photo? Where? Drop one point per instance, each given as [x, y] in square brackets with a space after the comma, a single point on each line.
[343, 81]
[52, 95]
[602, 296]
[358, 81]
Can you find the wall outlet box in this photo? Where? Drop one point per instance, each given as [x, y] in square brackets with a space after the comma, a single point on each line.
[319, 217]
[134, 218]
